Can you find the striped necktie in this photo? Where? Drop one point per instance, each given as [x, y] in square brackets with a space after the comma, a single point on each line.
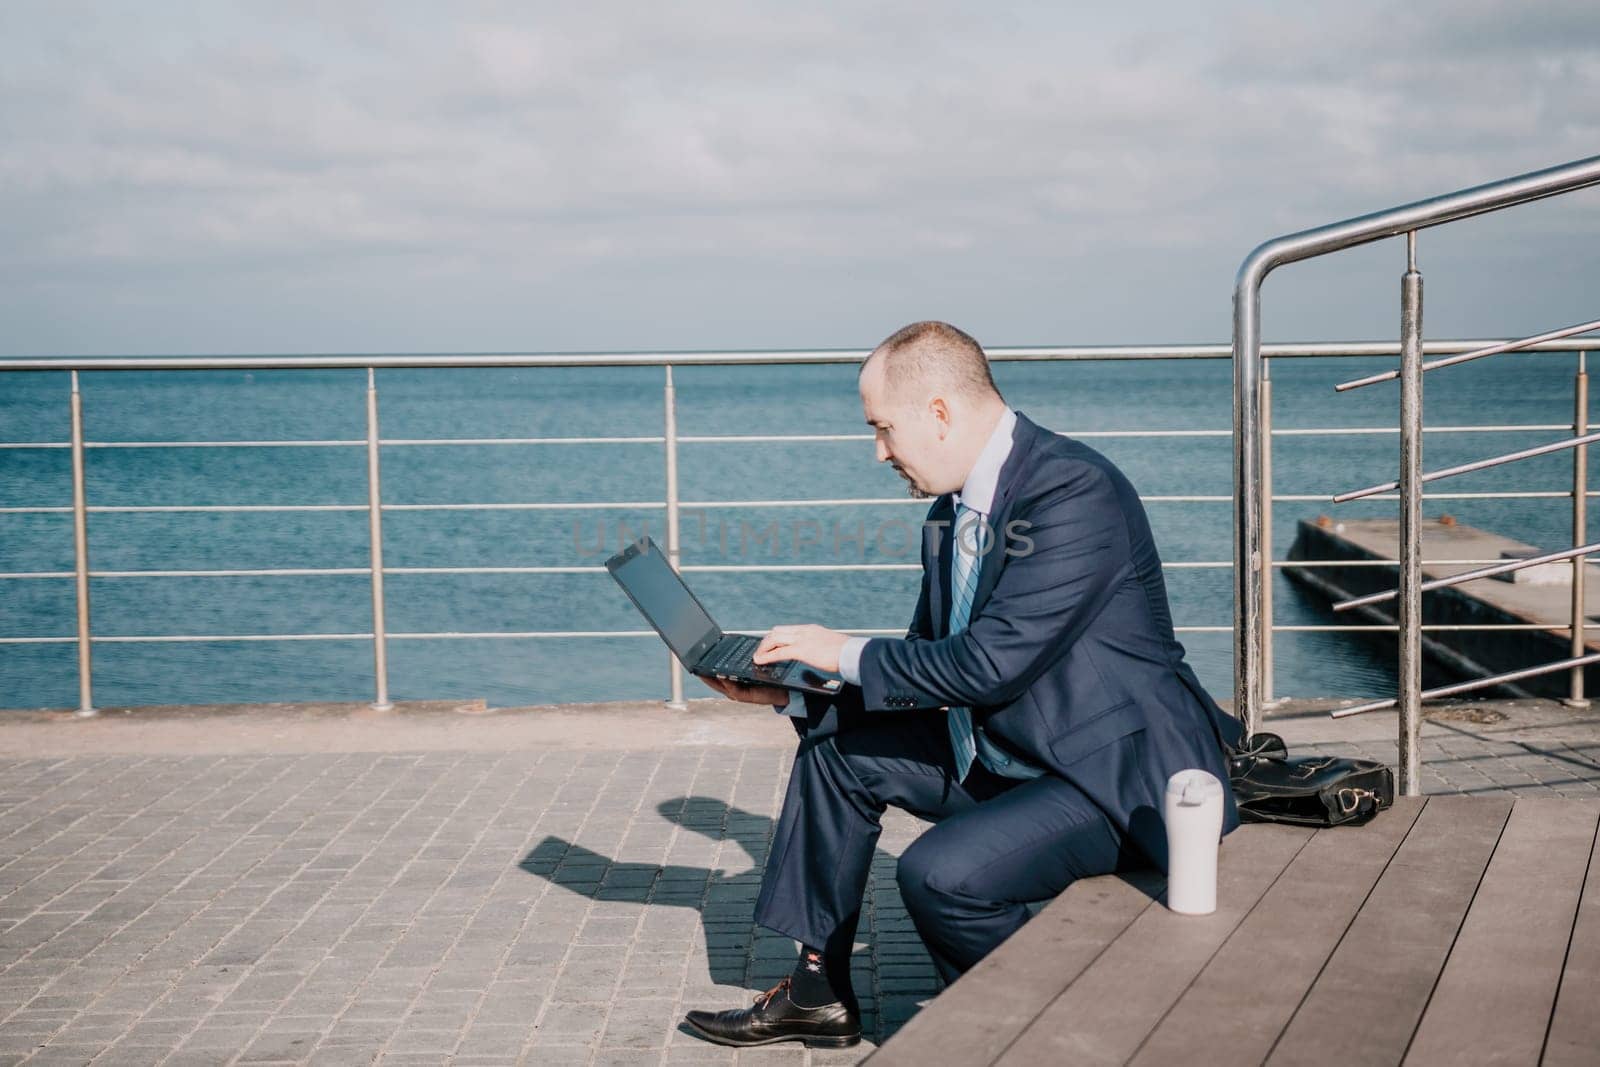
[968, 532]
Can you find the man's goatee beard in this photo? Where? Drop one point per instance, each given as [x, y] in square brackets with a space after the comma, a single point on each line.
[916, 494]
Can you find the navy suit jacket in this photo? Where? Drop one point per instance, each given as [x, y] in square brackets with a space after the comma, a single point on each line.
[1069, 658]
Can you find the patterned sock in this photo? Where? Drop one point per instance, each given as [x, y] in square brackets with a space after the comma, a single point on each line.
[809, 986]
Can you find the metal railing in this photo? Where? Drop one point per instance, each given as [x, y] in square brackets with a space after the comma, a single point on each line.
[673, 507]
[1252, 506]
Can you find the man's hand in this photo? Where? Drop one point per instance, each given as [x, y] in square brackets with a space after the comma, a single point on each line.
[748, 694]
[815, 645]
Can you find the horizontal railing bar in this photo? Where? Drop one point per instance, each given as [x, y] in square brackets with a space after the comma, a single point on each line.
[174, 638]
[723, 439]
[526, 440]
[1310, 431]
[348, 444]
[180, 638]
[1206, 564]
[1154, 498]
[553, 569]
[702, 567]
[726, 568]
[225, 444]
[284, 572]
[1477, 353]
[1477, 465]
[177, 639]
[1476, 683]
[452, 635]
[1442, 627]
[554, 505]
[887, 632]
[767, 438]
[415, 636]
[135, 509]
[705, 567]
[829, 502]
[1313, 431]
[237, 573]
[1505, 567]
[551, 506]
[1060, 353]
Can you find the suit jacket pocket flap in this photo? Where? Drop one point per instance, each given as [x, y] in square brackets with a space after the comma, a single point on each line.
[1102, 728]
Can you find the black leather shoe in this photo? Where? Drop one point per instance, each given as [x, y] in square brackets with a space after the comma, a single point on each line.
[777, 1018]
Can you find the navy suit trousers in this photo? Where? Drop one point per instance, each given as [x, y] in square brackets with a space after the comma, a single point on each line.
[999, 843]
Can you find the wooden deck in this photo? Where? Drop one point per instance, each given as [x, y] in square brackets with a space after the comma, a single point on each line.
[1450, 930]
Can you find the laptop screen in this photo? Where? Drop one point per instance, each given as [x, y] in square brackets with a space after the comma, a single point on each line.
[661, 597]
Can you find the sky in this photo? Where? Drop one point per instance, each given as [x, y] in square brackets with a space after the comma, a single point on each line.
[396, 177]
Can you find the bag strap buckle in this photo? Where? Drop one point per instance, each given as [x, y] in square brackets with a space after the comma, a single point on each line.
[1350, 798]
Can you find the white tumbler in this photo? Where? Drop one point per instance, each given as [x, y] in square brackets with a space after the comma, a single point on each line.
[1194, 830]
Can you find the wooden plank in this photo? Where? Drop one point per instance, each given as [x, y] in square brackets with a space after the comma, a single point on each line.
[1575, 1024]
[1364, 1006]
[1495, 996]
[1109, 1009]
[1241, 1002]
[982, 1012]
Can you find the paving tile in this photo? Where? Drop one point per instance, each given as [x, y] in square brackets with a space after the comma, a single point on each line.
[343, 1056]
[219, 1038]
[408, 1041]
[53, 1055]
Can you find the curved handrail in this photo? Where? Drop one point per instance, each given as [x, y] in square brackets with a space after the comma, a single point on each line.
[1249, 608]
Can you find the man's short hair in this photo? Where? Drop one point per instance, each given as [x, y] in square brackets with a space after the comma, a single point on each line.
[936, 356]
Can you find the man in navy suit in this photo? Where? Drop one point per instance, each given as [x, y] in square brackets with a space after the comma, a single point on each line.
[1034, 709]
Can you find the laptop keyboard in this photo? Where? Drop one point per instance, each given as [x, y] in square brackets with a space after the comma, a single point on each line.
[733, 657]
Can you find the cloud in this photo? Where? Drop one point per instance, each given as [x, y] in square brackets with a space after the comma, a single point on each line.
[314, 157]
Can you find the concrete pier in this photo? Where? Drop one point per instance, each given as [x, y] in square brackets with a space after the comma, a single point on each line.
[1544, 602]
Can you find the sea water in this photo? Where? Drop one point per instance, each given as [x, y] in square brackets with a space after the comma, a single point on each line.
[1140, 403]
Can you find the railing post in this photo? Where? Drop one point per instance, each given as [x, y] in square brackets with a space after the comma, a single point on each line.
[670, 402]
[1266, 532]
[1580, 535]
[380, 654]
[1409, 682]
[1247, 588]
[80, 543]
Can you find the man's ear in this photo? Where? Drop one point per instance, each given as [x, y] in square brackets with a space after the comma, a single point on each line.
[941, 415]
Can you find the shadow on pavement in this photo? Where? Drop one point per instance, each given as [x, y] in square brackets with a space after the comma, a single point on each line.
[725, 902]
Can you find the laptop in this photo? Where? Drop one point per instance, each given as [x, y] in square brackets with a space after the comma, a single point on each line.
[694, 637]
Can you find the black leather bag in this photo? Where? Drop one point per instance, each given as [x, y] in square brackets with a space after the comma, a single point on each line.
[1271, 786]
